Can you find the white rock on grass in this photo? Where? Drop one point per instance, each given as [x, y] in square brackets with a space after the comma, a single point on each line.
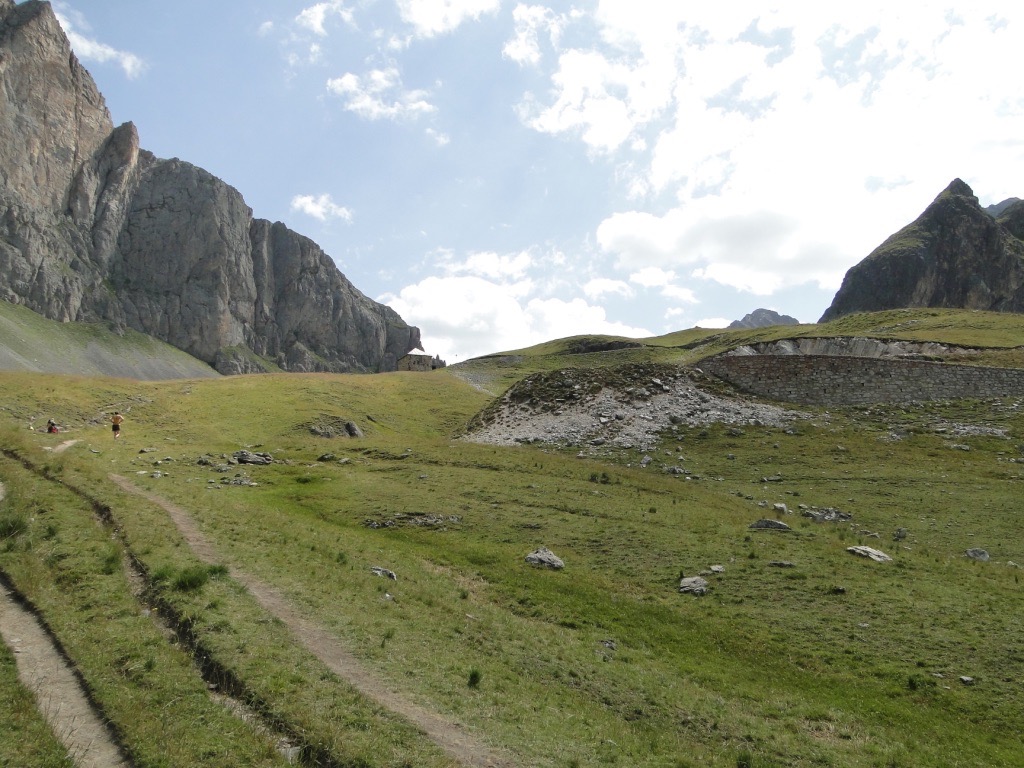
[875, 554]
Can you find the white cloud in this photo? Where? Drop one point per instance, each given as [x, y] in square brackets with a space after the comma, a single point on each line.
[467, 316]
[492, 265]
[665, 281]
[530, 22]
[436, 17]
[794, 140]
[602, 286]
[440, 139]
[88, 49]
[742, 278]
[378, 94]
[650, 277]
[679, 293]
[314, 18]
[639, 238]
[265, 28]
[589, 101]
[320, 207]
[757, 252]
[712, 322]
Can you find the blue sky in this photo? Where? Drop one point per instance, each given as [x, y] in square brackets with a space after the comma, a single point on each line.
[504, 173]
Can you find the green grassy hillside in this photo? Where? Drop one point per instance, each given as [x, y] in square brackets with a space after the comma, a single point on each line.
[30, 342]
[1000, 336]
[832, 660]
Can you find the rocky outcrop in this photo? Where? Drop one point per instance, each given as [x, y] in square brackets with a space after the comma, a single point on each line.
[955, 255]
[763, 318]
[92, 227]
[852, 346]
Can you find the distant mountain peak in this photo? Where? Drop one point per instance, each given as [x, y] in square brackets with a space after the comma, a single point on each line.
[763, 318]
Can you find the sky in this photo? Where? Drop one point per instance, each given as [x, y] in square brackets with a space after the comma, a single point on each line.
[504, 173]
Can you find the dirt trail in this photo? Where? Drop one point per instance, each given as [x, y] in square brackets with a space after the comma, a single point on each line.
[450, 736]
[60, 698]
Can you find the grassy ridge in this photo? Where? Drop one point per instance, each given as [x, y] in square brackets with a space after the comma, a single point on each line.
[998, 336]
[835, 661]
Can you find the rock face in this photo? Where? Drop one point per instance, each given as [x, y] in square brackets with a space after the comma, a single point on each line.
[94, 228]
[763, 318]
[955, 255]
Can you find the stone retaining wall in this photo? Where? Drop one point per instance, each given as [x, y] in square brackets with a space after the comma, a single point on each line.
[826, 380]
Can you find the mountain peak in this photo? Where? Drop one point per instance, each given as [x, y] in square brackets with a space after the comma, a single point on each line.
[955, 255]
[960, 188]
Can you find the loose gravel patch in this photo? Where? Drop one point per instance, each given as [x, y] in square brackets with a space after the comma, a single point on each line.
[626, 407]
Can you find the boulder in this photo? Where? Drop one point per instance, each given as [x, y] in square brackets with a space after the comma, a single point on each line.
[976, 553]
[767, 524]
[544, 557]
[248, 457]
[384, 573]
[693, 585]
[877, 555]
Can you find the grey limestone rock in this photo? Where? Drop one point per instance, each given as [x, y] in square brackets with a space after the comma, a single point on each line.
[92, 227]
[874, 554]
[976, 553]
[248, 457]
[768, 524]
[544, 557]
[827, 515]
[694, 585]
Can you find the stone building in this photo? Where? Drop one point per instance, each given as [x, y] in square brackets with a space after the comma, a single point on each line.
[420, 363]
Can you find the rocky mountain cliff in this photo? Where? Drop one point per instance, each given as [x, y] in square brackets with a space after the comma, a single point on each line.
[956, 255]
[94, 228]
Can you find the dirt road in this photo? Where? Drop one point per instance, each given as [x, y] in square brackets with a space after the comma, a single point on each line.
[59, 697]
[450, 736]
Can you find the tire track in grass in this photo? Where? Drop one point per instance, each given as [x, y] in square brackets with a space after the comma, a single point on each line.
[44, 670]
[451, 737]
[169, 624]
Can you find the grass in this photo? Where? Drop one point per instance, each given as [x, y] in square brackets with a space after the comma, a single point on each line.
[835, 661]
[29, 341]
[146, 686]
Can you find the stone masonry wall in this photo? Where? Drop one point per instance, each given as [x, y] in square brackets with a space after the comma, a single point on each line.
[824, 380]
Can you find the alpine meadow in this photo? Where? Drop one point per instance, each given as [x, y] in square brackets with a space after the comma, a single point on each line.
[366, 600]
